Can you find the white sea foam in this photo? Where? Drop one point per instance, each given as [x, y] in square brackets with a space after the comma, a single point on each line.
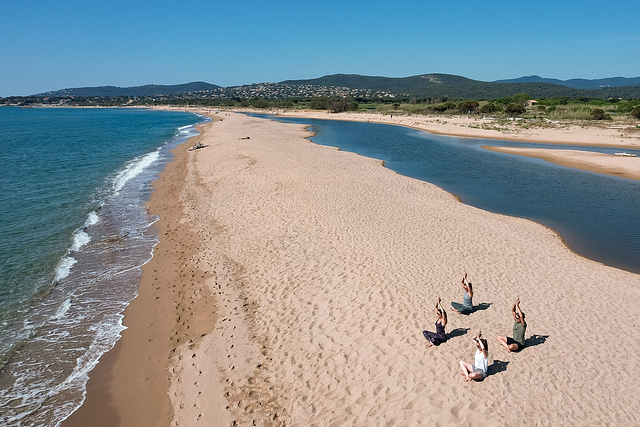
[64, 268]
[62, 310]
[134, 168]
[80, 238]
[92, 219]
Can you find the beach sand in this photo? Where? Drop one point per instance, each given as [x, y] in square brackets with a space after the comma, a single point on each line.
[603, 134]
[293, 281]
[609, 164]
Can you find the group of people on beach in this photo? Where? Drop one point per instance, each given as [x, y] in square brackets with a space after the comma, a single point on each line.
[478, 370]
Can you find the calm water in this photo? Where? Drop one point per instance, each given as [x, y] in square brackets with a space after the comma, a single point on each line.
[597, 215]
[73, 235]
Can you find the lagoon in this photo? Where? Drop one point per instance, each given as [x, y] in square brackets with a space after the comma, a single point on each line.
[596, 215]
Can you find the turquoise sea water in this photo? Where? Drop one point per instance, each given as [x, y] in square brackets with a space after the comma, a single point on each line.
[73, 234]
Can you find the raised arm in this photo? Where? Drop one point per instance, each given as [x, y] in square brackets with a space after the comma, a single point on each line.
[520, 313]
[444, 313]
[481, 345]
[465, 283]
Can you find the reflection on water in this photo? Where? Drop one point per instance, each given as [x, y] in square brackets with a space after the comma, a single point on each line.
[597, 215]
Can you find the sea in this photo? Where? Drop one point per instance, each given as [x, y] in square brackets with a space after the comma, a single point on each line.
[74, 232]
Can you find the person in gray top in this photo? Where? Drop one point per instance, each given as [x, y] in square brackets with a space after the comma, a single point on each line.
[519, 328]
[467, 299]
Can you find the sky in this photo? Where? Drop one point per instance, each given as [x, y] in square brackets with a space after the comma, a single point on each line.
[56, 44]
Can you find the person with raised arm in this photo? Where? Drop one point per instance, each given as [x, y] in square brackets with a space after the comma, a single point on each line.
[519, 328]
[439, 336]
[477, 371]
[467, 299]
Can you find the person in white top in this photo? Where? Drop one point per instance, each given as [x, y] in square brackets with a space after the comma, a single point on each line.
[477, 371]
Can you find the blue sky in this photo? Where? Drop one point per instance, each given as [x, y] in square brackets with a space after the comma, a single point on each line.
[56, 44]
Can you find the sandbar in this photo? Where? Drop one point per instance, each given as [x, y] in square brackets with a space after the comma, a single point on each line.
[293, 281]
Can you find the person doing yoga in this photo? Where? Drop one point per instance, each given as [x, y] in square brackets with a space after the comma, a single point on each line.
[439, 336]
[519, 328]
[467, 299]
[477, 371]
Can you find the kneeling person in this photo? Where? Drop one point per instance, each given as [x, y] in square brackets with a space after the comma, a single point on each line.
[519, 328]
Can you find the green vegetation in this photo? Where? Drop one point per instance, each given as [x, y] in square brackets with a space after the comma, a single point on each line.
[514, 109]
[520, 104]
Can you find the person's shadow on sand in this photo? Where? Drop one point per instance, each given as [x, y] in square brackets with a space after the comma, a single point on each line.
[482, 306]
[535, 340]
[497, 366]
[457, 333]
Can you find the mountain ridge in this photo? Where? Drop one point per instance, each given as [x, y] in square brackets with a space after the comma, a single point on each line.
[146, 90]
[432, 85]
[578, 83]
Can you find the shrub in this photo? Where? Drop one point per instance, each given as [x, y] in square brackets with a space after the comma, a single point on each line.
[514, 109]
[340, 105]
[597, 114]
[285, 104]
[521, 98]
[489, 108]
[636, 112]
[260, 103]
[468, 107]
[319, 103]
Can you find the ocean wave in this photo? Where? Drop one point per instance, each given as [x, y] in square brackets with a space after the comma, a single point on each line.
[80, 239]
[64, 268]
[92, 219]
[134, 168]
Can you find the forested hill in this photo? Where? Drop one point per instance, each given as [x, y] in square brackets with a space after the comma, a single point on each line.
[147, 90]
[353, 85]
[451, 86]
[579, 83]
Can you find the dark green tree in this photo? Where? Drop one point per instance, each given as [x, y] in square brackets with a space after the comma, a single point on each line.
[468, 107]
[514, 109]
[521, 98]
[489, 108]
[342, 104]
[319, 103]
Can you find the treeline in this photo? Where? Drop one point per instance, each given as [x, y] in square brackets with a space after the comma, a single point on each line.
[519, 104]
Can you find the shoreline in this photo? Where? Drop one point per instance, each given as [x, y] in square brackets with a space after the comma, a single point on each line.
[564, 134]
[129, 385]
[247, 260]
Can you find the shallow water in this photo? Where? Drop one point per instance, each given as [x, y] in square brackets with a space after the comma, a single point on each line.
[74, 234]
[597, 215]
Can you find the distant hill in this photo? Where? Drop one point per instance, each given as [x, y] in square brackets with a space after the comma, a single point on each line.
[440, 85]
[147, 90]
[452, 86]
[354, 85]
[579, 83]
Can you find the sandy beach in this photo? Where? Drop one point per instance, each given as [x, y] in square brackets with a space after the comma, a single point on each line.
[292, 283]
